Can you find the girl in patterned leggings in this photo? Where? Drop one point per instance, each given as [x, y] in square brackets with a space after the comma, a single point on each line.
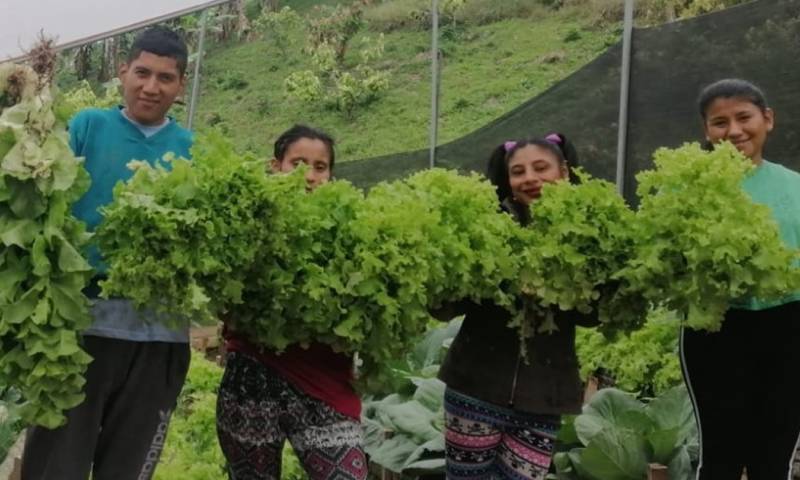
[303, 395]
[503, 411]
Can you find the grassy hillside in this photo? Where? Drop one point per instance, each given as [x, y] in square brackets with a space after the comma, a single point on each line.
[488, 69]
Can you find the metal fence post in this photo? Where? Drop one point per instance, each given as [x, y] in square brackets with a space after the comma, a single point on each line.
[196, 77]
[434, 134]
[625, 74]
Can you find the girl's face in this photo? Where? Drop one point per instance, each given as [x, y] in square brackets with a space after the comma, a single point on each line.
[529, 168]
[741, 122]
[312, 152]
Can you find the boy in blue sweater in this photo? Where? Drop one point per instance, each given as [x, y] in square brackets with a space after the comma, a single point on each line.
[139, 365]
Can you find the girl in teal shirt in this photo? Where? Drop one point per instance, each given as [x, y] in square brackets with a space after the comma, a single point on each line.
[742, 379]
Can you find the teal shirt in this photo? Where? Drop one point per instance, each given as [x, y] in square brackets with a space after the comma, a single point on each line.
[108, 141]
[778, 188]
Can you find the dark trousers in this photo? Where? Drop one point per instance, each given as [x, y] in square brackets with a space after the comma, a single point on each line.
[744, 384]
[118, 432]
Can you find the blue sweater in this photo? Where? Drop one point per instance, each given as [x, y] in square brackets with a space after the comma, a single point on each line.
[108, 141]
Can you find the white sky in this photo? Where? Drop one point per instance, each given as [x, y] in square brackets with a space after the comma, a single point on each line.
[72, 21]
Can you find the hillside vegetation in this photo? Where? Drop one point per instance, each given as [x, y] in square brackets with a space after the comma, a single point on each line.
[490, 64]
[372, 92]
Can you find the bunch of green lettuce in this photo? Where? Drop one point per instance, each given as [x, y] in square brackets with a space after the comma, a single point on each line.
[181, 235]
[701, 241]
[42, 272]
[480, 261]
[219, 236]
[292, 294]
[644, 361]
[392, 257]
[413, 245]
[581, 235]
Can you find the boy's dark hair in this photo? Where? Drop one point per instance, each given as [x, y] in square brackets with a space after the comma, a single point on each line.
[163, 42]
[731, 88]
[297, 132]
[556, 143]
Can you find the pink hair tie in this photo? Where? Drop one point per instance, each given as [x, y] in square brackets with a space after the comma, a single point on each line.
[553, 138]
[509, 145]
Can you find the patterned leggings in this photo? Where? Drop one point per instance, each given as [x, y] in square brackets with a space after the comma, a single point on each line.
[257, 411]
[485, 441]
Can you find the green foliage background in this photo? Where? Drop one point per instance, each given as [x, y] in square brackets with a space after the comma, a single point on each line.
[488, 68]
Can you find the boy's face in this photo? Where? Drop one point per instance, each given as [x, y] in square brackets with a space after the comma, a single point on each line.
[150, 84]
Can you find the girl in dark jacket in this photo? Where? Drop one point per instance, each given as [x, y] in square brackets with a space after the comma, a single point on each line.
[503, 410]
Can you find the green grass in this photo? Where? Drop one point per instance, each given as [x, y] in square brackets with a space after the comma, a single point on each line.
[487, 70]
[305, 5]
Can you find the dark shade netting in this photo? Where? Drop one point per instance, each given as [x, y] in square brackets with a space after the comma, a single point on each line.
[758, 41]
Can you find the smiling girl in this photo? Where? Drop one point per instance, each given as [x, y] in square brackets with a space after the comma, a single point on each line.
[502, 412]
[304, 395]
[742, 379]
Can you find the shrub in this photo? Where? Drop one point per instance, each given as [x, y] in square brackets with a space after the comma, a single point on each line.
[397, 14]
[337, 88]
[231, 80]
[647, 12]
[277, 27]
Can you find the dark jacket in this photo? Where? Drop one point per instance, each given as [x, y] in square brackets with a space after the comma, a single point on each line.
[485, 362]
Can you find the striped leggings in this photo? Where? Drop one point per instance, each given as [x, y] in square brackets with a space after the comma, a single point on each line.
[486, 441]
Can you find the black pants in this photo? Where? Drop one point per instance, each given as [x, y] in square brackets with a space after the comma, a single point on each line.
[118, 432]
[745, 387]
